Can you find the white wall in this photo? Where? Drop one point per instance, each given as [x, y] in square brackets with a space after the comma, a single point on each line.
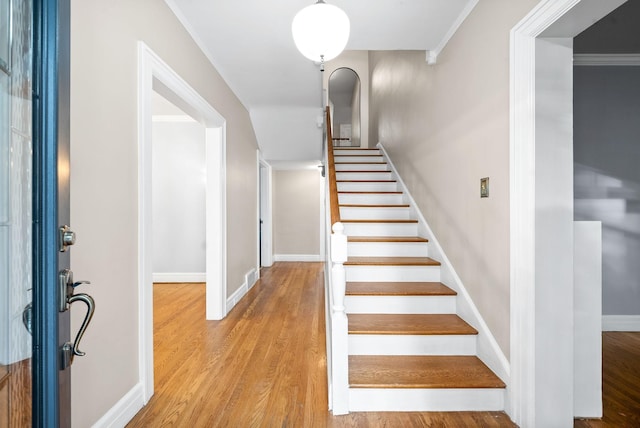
[104, 181]
[607, 177]
[299, 140]
[296, 214]
[179, 190]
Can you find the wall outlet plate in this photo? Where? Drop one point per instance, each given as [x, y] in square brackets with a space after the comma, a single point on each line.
[484, 187]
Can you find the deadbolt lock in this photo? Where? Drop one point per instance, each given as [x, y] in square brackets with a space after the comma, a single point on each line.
[67, 238]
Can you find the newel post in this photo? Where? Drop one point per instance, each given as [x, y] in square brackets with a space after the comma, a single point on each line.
[339, 322]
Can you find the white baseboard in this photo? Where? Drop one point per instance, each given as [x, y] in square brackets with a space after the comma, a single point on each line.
[124, 410]
[250, 278]
[606, 59]
[180, 277]
[297, 258]
[621, 323]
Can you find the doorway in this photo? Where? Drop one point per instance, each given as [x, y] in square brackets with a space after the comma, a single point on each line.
[541, 182]
[156, 76]
[265, 228]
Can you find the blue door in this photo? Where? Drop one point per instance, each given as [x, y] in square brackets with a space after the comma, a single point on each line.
[36, 283]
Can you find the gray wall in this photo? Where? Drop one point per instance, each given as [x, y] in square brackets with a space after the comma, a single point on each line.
[607, 175]
[618, 32]
[179, 191]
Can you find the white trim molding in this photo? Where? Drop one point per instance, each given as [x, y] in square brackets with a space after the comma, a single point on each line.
[432, 55]
[124, 410]
[606, 60]
[621, 323]
[154, 75]
[297, 258]
[562, 19]
[180, 277]
[250, 280]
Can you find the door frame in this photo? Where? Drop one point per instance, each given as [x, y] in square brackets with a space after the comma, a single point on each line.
[154, 75]
[541, 383]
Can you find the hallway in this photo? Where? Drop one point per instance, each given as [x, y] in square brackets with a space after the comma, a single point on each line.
[262, 366]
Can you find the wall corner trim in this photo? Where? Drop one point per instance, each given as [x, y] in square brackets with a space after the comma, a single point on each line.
[124, 410]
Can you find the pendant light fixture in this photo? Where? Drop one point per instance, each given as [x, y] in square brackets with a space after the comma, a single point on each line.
[320, 31]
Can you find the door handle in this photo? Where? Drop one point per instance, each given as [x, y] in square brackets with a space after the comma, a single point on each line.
[67, 297]
[91, 307]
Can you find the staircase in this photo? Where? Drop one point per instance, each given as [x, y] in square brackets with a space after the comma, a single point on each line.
[408, 349]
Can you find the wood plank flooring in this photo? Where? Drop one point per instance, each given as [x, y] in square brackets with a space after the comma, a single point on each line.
[620, 382]
[262, 366]
[265, 366]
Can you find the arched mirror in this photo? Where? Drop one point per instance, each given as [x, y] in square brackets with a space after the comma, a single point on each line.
[344, 98]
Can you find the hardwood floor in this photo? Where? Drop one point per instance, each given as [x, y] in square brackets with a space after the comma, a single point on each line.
[262, 366]
[265, 366]
[620, 382]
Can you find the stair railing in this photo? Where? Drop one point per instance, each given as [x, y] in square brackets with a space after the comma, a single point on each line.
[335, 286]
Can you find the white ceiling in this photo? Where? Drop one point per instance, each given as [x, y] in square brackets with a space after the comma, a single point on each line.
[250, 43]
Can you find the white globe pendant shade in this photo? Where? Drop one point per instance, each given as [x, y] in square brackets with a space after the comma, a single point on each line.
[320, 31]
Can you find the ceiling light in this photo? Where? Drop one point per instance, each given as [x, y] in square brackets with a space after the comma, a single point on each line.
[320, 31]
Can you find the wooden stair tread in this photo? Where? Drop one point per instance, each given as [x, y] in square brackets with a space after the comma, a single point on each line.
[415, 324]
[365, 171]
[386, 220]
[386, 239]
[370, 192]
[357, 155]
[375, 371]
[375, 205]
[366, 181]
[391, 261]
[398, 289]
[360, 163]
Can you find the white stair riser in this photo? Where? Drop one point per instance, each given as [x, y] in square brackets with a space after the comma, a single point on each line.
[361, 167]
[380, 229]
[400, 304]
[392, 273]
[425, 400]
[356, 152]
[367, 186]
[373, 213]
[382, 175]
[394, 344]
[375, 198]
[359, 159]
[388, 249]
